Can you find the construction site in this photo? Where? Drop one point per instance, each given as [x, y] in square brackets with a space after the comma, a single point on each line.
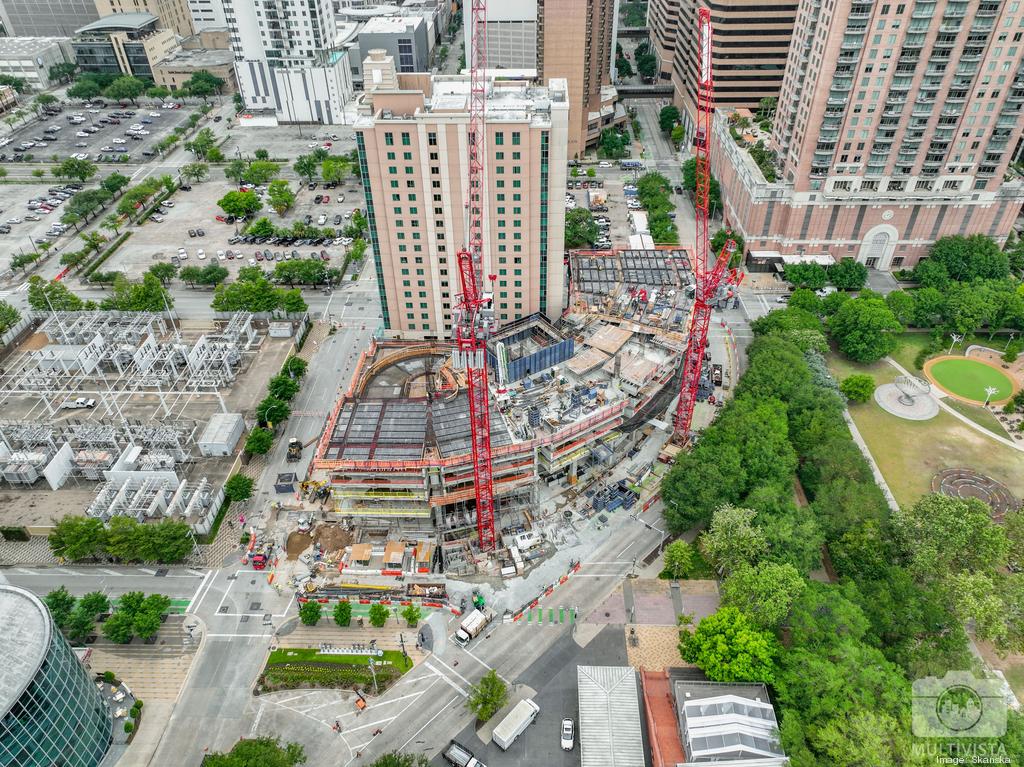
[143, 413]
[567, 403]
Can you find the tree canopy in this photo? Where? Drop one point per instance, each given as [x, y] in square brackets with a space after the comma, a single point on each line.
[865, 329]
[727, 647]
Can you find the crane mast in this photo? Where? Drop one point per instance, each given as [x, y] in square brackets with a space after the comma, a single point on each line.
[473, 316]
[706, 281]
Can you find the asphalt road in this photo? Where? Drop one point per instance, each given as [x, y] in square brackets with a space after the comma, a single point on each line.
[175, 582]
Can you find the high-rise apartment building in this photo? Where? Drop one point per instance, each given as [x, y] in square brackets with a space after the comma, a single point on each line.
[45, 18]
[576, 43]
[174, 15]
[286, 61]
[895, 126]
[571, 40]
[413, 161]
[749, 49]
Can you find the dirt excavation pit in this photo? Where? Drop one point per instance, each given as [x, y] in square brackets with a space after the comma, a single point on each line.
[297, 543]
[330, 537]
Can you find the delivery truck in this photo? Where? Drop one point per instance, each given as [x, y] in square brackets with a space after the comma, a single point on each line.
[515, 724]
[473, 624]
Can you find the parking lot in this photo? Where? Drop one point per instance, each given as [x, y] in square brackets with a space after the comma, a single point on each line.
[154, 242]
[66, 142]
[13, 204]
[617, 213]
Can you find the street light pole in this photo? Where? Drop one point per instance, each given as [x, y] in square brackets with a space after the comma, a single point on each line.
[373, 673]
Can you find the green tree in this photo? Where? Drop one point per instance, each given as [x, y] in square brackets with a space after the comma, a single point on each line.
[261, 154]
[62, 72]
[727, 647]
[203, 144]
[9, 316]
[262, 227]
[147, 296]
[238, 488]
[488, 696]
[306, 166]
[60, 604]
[412, 615]
[931, 273]
[76, 538]
[647, 66]
[259, 441]
[191, 275]
[84, 89]
[865, 329]
[379, 615]
[126, 87]
[114, 183]
[283, 387]
[580, 229]
[291, 301]
[260, 172]
[690, 184]
[732, 540]
[272, 410]
[195, 171]
[203, 84]
[765, 593]
[119, 627]
[395, 759]
[613, 144]
[80, 170]
[258, 752]
[678, 560]
[212, 274]
[240, 204]
[812, 276]
[677, 135]
[94, 603]
[343, 613]
[901, 304]
[858, 387]
[848, 274]
[335, 170]
[234, 170]
[158, 92]
[163, 272]
[623, 68]
[667, 118]
[80, 625]
[295, 367]
[146, 625]
[971, 257]
[280, 196]
[805, 299]
[310, 612]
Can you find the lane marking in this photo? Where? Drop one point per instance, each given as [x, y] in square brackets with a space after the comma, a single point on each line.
[460, 676]
[198, 589]
[256, 721]
[449, 682]
[428, 723]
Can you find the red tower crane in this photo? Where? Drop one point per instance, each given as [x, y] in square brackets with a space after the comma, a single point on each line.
[706, 281]
[473, 315]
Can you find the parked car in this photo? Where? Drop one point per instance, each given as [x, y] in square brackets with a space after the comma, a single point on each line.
[568, 739]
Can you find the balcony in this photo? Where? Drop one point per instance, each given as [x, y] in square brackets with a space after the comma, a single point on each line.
[853, 45]
[835, 102]
[893, 111]
[954, 12]
[949, 28]
[922, 11]
[842, 86]
[987, 10]
[1007, 121]
[981, 25]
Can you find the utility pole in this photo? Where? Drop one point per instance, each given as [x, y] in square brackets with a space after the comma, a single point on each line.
[373, 673]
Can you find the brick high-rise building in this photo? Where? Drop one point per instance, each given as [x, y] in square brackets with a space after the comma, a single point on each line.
[413, 160]
[749, 49]
[896, 123]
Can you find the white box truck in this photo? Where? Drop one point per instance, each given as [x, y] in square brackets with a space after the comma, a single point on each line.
[515, 724]
[473, 624]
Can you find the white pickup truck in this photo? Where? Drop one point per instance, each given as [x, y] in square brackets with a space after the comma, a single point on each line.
[78, 404]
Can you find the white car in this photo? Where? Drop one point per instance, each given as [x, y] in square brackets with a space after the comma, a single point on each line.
[106, 149]
[322, 220]
[82, 134]
[156, 217]
[568, 739]
[201, 254]
[14, 220]
[252, 262]
[32, 217]
[602, 164]
[168, 204]
[142, 132]
[346, 240]
[120, 141]
[314, 145]
[221, 256]
[154, 114]
[94, 111]
[182, 253]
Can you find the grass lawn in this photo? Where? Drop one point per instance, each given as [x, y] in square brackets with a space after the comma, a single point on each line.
[978, 414]
[969, 379]
[909, 453]
[910, 345]
[305, 655]
[1015, 677]
[841, 367]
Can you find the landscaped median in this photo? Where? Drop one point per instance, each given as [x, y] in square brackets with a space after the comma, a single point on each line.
[291, 669]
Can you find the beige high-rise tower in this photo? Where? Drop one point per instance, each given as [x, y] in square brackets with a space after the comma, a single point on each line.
[413, 162]
[173, 14]
[895, 127]
[575, 42]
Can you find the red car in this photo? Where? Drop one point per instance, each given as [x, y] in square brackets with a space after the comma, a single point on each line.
[327, 198]
[328, 145]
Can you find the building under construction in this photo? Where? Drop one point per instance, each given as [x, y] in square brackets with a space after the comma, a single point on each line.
[564, 401]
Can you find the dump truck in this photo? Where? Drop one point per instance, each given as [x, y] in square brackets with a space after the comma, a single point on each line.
[515, 723]
[458, 755]
[473, 624]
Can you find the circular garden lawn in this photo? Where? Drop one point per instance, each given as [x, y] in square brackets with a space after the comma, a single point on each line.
[968, 379]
